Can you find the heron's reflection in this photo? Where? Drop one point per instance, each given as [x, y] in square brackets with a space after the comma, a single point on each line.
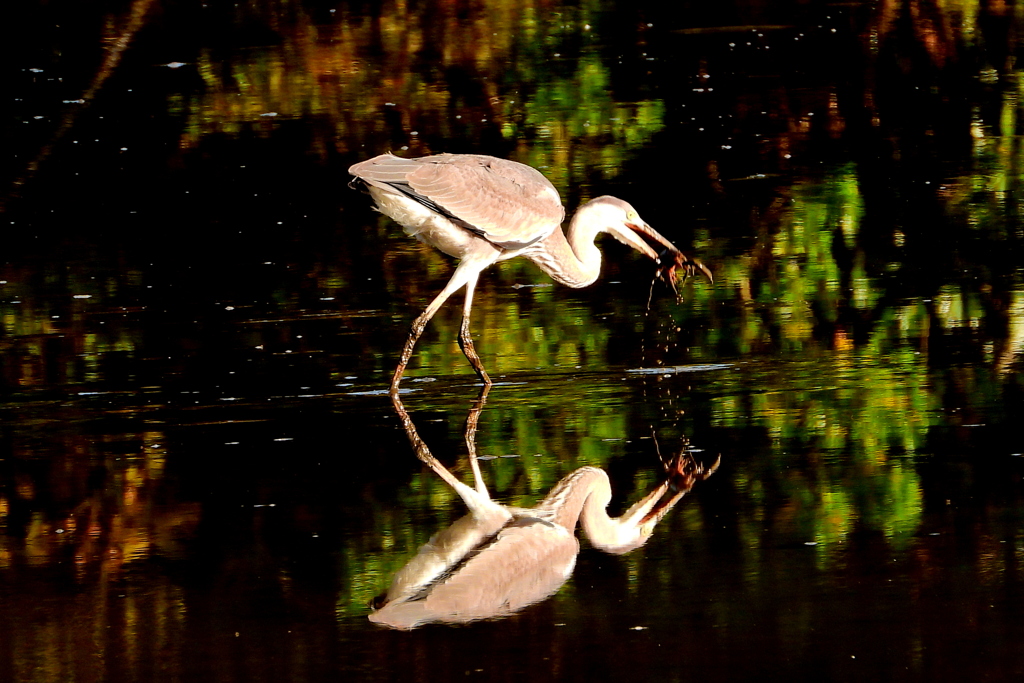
[499, 559]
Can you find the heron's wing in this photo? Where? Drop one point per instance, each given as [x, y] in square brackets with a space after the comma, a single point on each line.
[510, 204]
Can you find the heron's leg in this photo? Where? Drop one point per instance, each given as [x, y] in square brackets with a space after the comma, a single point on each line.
[410, 343]
[465, 340]
[467, 271]
[420, 324]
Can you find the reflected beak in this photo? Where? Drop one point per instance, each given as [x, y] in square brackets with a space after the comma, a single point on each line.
[683, 472]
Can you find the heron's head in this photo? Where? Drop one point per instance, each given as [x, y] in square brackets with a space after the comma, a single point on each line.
[622, 221]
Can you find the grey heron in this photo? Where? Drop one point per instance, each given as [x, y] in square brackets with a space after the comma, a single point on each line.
[482, 210]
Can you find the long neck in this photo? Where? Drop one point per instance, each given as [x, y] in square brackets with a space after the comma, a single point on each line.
[571, 258]
[583, 497]
[567, 499]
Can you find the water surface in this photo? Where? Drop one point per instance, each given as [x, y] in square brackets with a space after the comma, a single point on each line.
[202, 479]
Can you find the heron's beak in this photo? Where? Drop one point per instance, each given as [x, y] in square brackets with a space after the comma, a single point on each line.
[670, 259]
[631, 237]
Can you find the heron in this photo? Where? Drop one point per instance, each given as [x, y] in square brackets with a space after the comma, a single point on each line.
[499, 559]
[482, 210]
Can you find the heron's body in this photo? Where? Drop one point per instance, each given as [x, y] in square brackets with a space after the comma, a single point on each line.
[432, 228]
[482, 210]
[498, 559]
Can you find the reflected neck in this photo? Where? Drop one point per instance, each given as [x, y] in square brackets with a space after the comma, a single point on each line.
[583, 497]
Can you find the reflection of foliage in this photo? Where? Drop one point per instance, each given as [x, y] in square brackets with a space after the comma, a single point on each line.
[853, 419]
[558, 106]
[576, 129]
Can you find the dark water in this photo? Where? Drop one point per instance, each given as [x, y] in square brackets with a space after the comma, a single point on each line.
[202, 479]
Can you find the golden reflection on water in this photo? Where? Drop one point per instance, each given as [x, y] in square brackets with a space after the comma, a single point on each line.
[106, 530]
[106, 534]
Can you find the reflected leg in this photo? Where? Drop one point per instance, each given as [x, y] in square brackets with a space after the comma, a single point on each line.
[471, 423]
[473, 499]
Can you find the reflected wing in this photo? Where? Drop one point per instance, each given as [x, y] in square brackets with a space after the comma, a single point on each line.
[510, 204]
[528, 561]
[445, 550]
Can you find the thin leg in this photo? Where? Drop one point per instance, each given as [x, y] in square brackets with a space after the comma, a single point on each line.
[417, 329]
[471, 423]
[459, 279]
[465, 340]
[464, 276]
[475, 500]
